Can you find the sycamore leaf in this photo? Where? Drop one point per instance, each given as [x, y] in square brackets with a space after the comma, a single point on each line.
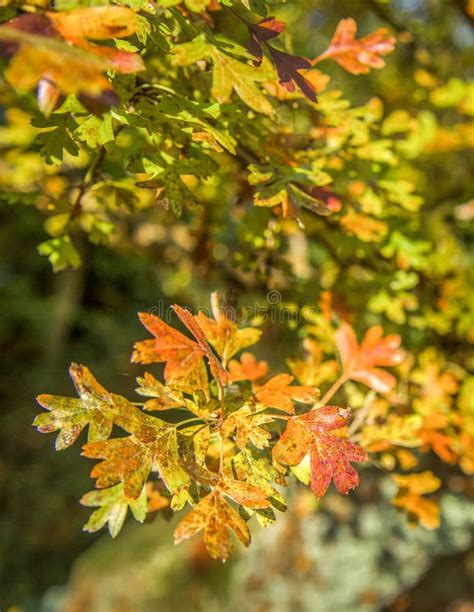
[330, 455]
[97, 408]
[70, 415]
[248, 368]
[61, 253]
[278, 393]
[112, 509]
[216, 517]
[358, 56]
[247, 427]
[185, 368]
[289, 69]
[229, 74]
[126, 460]
[58, 138]
[409, 497]
[359, 361]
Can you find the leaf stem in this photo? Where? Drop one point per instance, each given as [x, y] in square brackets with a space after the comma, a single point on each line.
[276, 416]
[88, 179]
[219, 427]
[332, 390]
[192, 420]
[362, 413]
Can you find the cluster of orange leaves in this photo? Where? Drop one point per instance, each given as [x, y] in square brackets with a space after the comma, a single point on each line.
[236, 411]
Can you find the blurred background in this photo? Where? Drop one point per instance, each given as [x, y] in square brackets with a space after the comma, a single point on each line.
[354, 553]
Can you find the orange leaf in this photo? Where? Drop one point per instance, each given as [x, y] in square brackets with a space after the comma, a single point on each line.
[358, 56]
[223, 334]
[216, 517]
[95, 23]
[330, 455]
[156, 501]
[359, 361]
[244, 493]
[248, 368]
[53, 47]
[277, 393]
[185, 367]
[192, 324]
[125, 459]
[409, 497]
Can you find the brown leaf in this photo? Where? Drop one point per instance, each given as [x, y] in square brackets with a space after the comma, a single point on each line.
[287, 66]
[268, 28]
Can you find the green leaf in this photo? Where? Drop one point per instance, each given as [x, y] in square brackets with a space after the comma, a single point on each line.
[61, 253]
[55, 141]
[112, 509]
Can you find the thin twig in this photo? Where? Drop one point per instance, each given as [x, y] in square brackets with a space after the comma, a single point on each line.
[332, 390]
[362, 414]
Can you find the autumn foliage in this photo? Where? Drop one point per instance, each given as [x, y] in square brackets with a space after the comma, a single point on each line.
[227, 448]
[124, 119]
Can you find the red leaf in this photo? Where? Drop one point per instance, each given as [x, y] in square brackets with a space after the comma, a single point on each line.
[330, 455]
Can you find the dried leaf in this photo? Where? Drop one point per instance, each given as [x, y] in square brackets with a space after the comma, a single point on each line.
[287, 66]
